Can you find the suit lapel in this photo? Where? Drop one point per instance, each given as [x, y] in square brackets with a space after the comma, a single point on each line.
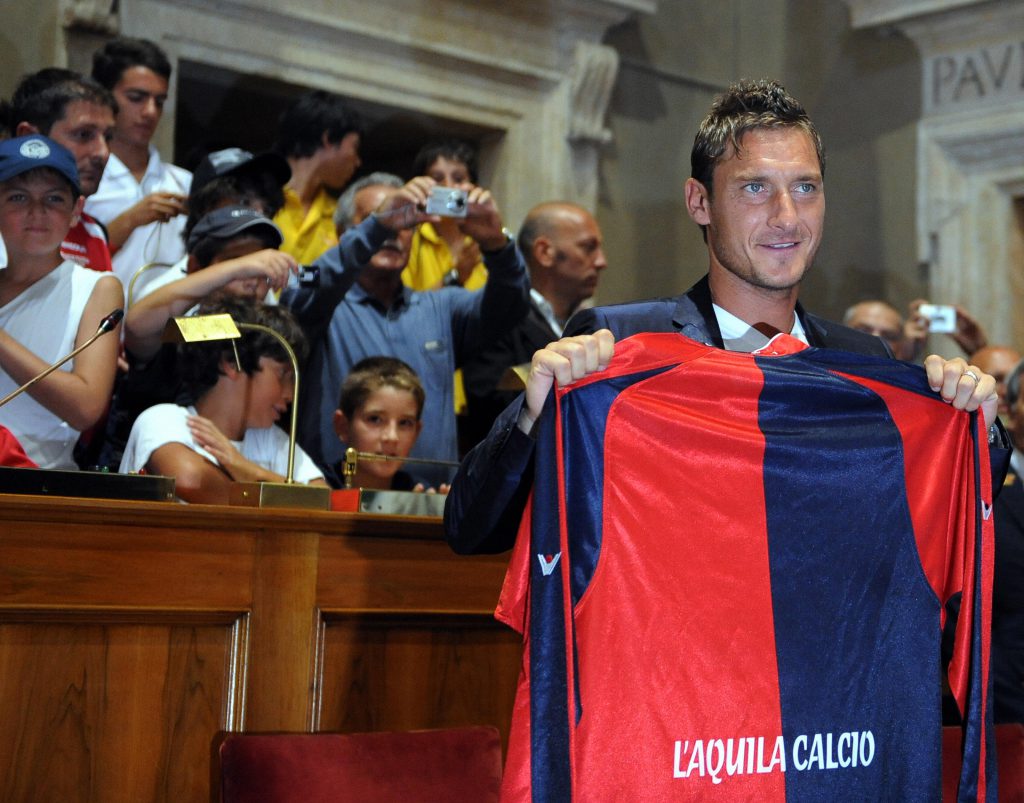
[694, 316]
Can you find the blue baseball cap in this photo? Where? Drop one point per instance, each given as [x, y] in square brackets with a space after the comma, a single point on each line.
[21, 154]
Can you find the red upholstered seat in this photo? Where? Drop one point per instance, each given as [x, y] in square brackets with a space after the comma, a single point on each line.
[1009, 761]
[454, 764]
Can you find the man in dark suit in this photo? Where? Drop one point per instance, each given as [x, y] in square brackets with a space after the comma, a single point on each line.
[562, 246]
[1008, 585]
[757, 192]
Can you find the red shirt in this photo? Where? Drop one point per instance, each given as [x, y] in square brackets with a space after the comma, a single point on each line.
[11, 453]
[86, 244]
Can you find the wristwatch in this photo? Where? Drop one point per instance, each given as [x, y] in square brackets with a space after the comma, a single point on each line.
[510, 237]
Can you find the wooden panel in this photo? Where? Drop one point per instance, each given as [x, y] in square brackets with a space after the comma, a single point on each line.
[132, 632]
[114, 711]
[283, 634]
[407, 672]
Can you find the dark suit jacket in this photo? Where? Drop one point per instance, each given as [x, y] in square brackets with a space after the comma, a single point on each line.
[487, 499]
[482, 373]
[1008, 603]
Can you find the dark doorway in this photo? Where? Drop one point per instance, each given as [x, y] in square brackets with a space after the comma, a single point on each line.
[220, 108]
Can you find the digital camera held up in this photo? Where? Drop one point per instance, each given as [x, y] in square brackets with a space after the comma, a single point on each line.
[446, 202]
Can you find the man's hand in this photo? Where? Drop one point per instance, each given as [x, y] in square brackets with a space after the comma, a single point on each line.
[969, 335]
[964, 386]
[158, 207]
[420, 488]
[483, 220]
[269, 265]
[404, 209]
[566, 360]
[207, 435]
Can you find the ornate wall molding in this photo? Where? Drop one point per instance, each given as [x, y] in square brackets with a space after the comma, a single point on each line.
[593, 78]
[534, 72]
[970, 141]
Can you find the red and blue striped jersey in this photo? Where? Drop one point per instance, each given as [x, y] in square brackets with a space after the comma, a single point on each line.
[731, 582]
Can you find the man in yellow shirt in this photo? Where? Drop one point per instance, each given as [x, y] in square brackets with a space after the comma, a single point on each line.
[319, 136]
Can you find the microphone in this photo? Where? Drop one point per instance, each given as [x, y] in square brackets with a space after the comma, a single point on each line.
[108, 324]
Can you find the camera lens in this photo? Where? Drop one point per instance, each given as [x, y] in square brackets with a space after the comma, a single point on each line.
[456, 201]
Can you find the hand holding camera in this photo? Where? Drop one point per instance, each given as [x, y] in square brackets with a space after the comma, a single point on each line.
[447, 202]
[953, 320]
[422, 200]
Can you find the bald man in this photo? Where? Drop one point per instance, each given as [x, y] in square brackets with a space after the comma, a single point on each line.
[999, 361]
[563, 248]
[881, 320]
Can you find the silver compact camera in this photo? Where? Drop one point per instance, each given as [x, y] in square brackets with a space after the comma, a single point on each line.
[308, 276]
[446, 202]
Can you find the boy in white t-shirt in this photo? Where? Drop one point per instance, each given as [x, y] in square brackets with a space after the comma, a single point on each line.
[49, 306]
[227, 433]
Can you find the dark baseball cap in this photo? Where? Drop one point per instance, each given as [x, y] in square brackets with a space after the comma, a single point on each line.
[21, 154]
[235, 161]
[231, 220]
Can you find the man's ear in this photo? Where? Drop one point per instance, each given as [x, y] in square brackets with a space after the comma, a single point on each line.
[698, 202]
[76, 215]
[341, 426]
[23, 129]
[544, 252]
[229, 368]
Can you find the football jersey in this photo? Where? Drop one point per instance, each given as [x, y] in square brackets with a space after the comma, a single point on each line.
[731, 581]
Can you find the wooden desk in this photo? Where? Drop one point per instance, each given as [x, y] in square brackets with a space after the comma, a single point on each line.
[131, 632]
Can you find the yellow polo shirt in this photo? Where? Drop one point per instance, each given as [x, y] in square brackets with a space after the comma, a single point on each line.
[430, 259]
[307, 234]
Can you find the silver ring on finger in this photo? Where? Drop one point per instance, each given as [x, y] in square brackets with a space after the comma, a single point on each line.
[973, 376]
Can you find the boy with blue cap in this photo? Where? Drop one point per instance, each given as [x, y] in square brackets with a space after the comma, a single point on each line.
[49, 306]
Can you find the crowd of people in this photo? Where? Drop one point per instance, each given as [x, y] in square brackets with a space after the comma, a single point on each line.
[407, 321]
[459, 300]
[364, 275]
[354, 271]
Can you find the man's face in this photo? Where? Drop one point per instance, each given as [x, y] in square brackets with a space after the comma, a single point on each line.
[86, 130]
[577, 256]
[341, 160]
[393, 255]
[880, 320]
[271, 390]
[449, 173]
[1015, 423]
[140, 95]
[999, 361]
[765, 219]
[36, 210]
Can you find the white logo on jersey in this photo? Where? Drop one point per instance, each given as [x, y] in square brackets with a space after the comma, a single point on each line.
[986, 510]
[548, 563]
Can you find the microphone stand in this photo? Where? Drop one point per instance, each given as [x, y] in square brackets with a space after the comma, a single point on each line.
[108, 324]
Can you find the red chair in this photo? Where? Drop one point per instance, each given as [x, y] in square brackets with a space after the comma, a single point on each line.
[1009, 762]
[454, 764]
